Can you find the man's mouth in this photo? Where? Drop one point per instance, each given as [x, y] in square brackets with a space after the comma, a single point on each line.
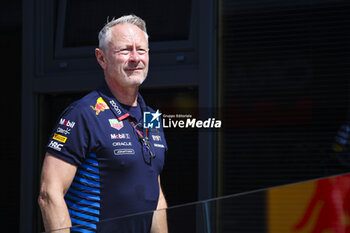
[134, 69]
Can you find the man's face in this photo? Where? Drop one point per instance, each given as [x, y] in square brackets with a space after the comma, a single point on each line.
[127, 56]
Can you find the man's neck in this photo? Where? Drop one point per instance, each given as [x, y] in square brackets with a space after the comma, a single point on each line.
[124, 95]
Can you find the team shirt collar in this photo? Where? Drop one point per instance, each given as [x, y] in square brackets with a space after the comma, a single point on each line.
[119, 110]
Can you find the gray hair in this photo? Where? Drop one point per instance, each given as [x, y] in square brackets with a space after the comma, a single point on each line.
[104, 36]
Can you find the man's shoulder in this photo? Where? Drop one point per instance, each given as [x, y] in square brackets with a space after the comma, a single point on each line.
[86, 104]
[87, 99]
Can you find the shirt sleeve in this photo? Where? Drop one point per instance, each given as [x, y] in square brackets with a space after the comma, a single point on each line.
[70, 137]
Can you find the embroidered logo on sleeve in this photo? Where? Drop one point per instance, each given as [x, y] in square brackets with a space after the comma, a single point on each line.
[60, 138]
[55, 146]
[100, 106]
[67, 123]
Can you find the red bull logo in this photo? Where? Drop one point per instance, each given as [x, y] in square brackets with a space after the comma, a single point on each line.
[100, 106]
[333, 197]
[321, 206]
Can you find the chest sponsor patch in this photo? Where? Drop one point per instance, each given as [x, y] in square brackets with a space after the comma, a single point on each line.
[116, 124]
[124, 152]
[122, 144]
[120, 136]
[156, 138]
[159, 145]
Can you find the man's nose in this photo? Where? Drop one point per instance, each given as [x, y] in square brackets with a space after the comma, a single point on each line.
[134, 56]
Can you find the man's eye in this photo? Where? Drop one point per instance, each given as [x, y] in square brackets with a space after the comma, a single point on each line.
[124, 51]
[141, 51]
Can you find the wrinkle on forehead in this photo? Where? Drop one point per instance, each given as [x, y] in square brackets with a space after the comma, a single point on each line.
[128, 34]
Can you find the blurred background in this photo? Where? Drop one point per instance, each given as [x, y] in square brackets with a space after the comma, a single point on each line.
[275, 72]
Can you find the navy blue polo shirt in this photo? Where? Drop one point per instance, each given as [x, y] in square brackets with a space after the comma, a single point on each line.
[115, 176]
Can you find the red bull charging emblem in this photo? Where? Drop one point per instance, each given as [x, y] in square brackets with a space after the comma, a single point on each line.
[100, 106]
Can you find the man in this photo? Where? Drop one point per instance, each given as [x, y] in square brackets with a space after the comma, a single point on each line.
[100, 162]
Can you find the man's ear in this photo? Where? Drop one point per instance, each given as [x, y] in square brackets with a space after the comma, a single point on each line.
[101, 58]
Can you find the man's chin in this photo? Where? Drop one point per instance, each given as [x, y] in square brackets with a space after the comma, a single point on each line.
[135, 81]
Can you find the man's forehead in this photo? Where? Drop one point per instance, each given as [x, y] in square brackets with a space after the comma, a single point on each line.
[128, 33]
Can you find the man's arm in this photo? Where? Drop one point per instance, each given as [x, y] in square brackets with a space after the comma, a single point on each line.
[56, 177]
[159, 222]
